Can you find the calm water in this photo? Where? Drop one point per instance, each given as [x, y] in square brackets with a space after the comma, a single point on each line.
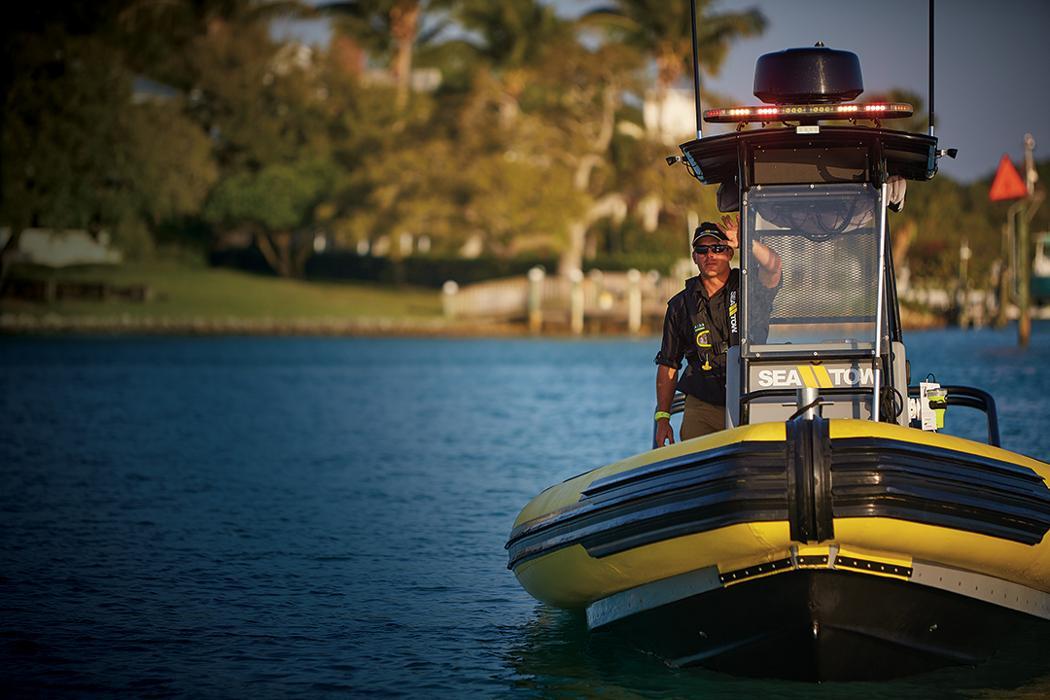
[311, 517]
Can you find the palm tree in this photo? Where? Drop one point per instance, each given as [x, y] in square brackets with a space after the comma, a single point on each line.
[512, 33]
[510, 38]
[567, 94]
[387, 27]
[663, 30]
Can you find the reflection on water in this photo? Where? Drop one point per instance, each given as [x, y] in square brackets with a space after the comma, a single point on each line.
[321, 517]
[554, 655]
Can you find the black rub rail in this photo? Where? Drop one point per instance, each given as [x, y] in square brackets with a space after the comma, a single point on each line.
[807, 480]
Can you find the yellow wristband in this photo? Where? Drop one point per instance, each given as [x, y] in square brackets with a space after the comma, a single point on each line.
[661, 414]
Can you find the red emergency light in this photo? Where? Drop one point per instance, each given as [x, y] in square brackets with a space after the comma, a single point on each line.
[786, 112]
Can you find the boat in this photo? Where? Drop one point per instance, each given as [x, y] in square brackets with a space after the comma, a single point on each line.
[832, 531]
[1040, 287]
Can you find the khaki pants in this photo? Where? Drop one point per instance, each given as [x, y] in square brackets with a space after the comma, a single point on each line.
[701, 418]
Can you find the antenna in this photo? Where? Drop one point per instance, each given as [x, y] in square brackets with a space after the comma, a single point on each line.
[931, 68]
[696, 69]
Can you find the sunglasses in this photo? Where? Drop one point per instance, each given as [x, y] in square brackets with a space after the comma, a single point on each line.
[704, 249]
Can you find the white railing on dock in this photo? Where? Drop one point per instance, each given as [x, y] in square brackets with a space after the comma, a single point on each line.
[631, 299]
[497, 299]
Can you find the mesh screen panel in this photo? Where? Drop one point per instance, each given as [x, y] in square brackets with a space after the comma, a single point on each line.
[833, 279]
[827, 241]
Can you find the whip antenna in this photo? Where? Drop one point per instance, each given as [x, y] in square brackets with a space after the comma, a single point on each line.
[931, 68]
[696, 69]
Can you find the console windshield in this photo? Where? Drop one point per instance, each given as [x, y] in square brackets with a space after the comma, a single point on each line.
[827, 240]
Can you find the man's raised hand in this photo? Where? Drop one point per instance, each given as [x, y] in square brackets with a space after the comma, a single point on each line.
[730, 226]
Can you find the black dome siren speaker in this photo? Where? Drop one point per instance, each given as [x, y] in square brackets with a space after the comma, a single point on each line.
[811, 75]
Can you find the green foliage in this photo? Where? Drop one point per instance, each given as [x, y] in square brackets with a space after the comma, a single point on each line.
[663, 30]
[532, 146]
[512, 34]
[424, 270]
[947, 213]
[78, 152]
[172, 161]
[255, 101]
[59, 165]
[659, 260]
[521, 204]
[277, 198]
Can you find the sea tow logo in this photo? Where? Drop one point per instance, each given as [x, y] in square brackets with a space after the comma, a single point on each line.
[732, 312]
[815, 377]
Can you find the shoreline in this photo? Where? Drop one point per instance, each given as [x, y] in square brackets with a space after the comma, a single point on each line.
[25, 324]
[126, 325]
[56, 324]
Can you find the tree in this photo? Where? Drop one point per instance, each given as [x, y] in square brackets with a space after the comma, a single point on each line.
[80, 149]
[387, 27]
[78, 152]
[278, 204]
[556, 103]
[511, 39]
[664, 31]
[262, 103]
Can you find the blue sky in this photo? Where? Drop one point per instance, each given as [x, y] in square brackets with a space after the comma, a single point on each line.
[992, 64]
[992, 61]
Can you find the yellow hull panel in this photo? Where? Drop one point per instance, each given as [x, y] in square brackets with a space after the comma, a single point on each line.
[570, 577]
[566, 494]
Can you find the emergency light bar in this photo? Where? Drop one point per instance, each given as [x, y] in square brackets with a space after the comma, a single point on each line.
[773, 113]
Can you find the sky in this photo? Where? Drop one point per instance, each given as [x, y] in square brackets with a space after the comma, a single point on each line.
[992, 63]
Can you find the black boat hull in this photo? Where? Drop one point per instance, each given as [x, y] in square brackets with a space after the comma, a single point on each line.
[821, 625]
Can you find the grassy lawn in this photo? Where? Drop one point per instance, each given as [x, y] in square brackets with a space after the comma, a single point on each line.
[183, 291]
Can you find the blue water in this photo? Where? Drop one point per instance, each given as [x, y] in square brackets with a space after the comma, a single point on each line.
[313, 517]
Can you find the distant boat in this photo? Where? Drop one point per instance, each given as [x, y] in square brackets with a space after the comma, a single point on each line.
[1041, 269]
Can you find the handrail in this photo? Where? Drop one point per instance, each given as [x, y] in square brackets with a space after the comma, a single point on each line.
[678, 403]
[972, 397]
[791, 393]
[858, 391]
[958, 395]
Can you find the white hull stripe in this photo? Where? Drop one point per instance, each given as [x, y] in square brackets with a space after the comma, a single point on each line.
[652, 595]
[987, 588]
[996, 591]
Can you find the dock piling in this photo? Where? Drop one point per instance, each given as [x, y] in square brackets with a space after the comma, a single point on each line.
[536, 277]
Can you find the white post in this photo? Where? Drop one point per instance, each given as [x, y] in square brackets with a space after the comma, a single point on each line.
[576, 301]
[449, 290]
[634, 300]
[878, 303]
[535, 301]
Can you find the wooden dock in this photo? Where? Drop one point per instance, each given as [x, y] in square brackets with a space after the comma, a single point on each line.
[593, 303]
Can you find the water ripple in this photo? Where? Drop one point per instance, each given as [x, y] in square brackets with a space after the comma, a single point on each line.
[197, 517]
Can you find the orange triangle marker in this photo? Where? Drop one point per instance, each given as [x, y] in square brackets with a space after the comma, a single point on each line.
[1007, 183]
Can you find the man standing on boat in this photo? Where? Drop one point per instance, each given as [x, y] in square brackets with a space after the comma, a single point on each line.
[701, 325]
